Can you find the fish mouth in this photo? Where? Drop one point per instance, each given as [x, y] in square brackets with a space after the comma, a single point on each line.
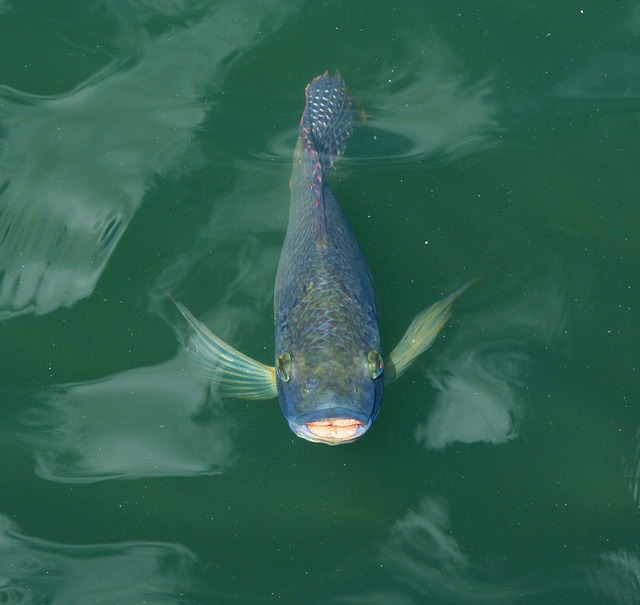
[333, 430]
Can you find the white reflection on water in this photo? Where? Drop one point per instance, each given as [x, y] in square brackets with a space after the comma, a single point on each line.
[481, 373]
[424, 561]
[428, 107]
[634, 473]
[75, 167]
[423, 555]
[421, 562]
[425, 532]
[618, 576]
[477, 397]
[165, 420]
[36, 571]
[145, 422]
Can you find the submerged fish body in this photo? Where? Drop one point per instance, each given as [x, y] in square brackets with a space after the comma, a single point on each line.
[329, 369]
[325, 311]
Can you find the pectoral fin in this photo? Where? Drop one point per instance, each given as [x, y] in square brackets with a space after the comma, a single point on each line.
[237, 375]
[419, 335]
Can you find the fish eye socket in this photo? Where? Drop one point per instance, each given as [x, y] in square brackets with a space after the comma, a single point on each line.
[283, 366]
[375, 363]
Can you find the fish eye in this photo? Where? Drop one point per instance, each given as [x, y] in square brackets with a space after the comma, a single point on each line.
[283, 366]
[375, 363]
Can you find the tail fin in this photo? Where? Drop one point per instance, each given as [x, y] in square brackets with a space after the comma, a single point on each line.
[327, 117]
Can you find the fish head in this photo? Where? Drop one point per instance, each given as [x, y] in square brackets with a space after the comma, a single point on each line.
[330, 399]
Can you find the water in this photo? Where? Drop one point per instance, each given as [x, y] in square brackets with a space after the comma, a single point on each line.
[147, 146]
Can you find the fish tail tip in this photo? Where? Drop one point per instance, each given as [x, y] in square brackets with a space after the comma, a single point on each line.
[328, 116]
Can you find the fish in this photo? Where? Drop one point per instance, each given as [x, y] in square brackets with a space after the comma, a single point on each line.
[329, 369]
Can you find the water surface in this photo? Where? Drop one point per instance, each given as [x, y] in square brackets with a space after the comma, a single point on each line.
[147, 146]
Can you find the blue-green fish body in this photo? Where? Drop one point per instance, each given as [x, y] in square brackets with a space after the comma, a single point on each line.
[328, 352]
[329, 369]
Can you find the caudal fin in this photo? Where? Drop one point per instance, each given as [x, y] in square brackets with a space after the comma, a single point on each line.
[327, 117]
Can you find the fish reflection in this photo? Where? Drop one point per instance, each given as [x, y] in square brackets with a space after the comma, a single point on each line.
[129, 573]
[329, 369]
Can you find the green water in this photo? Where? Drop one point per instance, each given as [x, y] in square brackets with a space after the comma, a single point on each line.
[147, 146]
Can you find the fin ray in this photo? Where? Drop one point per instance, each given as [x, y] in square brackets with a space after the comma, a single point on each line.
[420, 335]
[238, 375]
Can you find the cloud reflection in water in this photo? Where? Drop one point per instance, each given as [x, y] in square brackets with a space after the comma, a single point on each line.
[75, 167]
[480, 374]
[421, 561]
[36, 571]
[427, 107]
[617, 575]
[165, 420]
[634, 472]
[139, 423]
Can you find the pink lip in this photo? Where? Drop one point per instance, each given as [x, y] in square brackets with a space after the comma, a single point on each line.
[334, 429]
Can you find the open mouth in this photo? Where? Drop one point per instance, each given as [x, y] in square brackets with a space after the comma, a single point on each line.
[335, 429]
